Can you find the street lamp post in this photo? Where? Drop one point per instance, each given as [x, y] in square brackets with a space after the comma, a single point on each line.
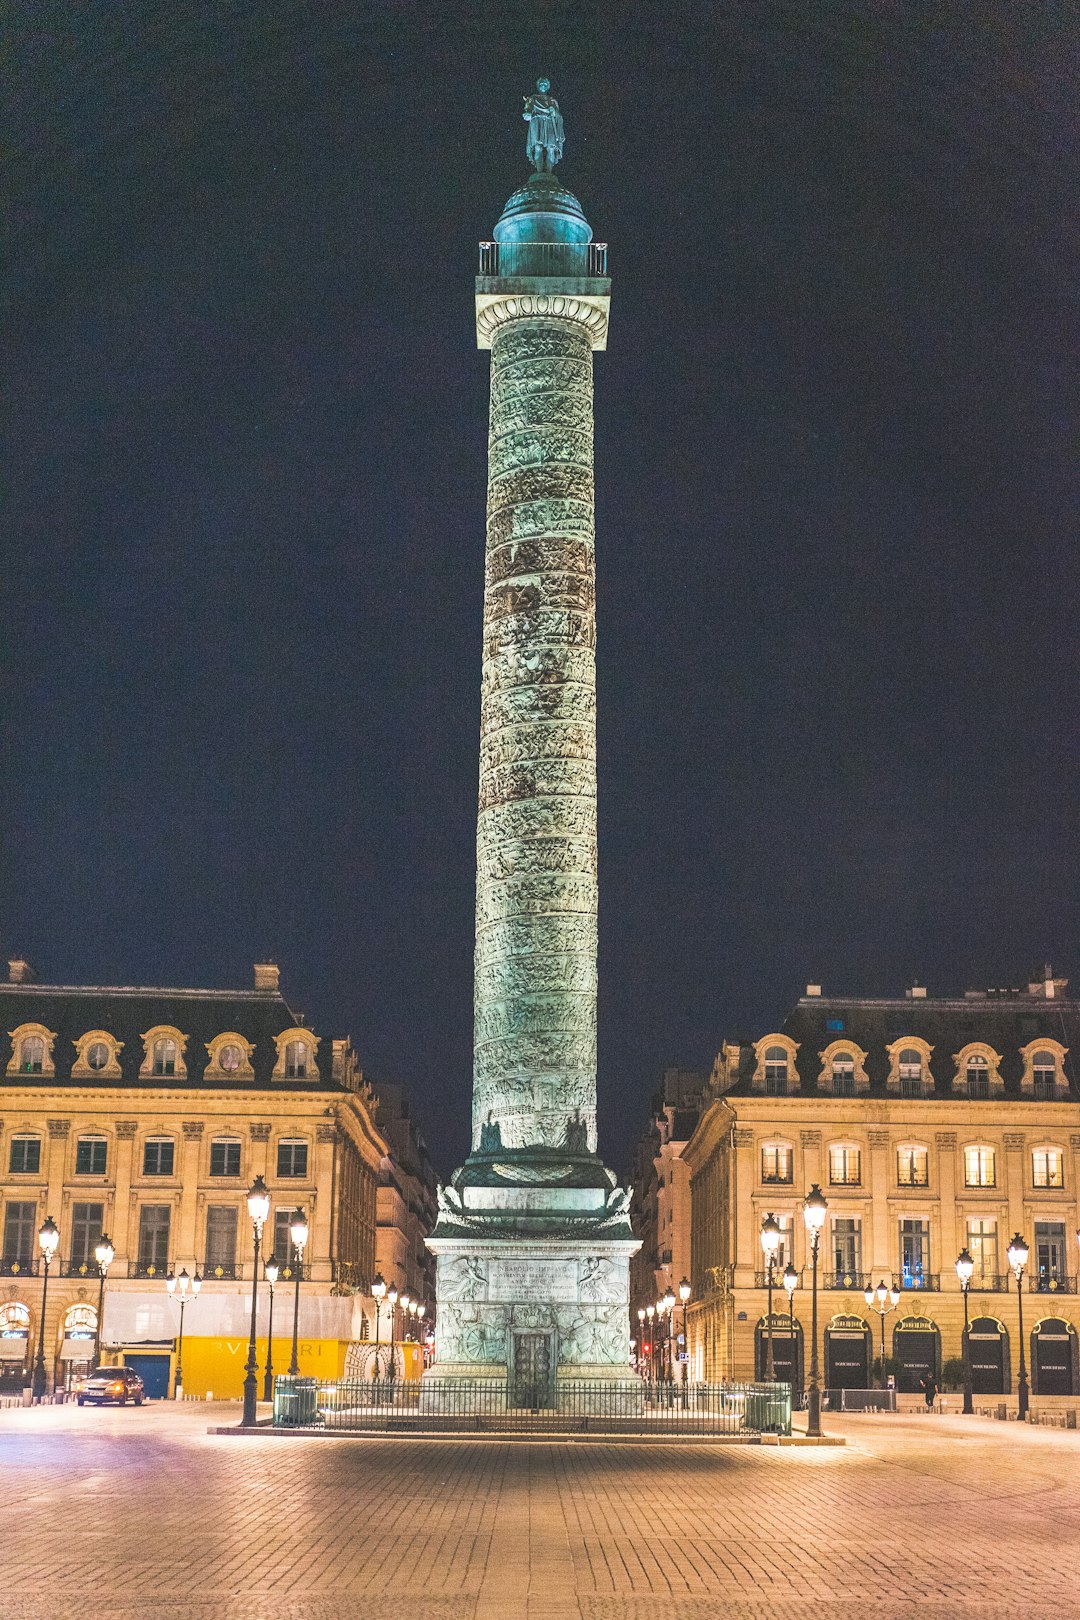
[1018, 1255]
[641, 1337]
[791, 1282]
[298, 1236]
[258, 1203]
[814, 1206]
[875, 1299]
[668, 1303]
[378, 1293]
[650, 1312]
[965, 1268]
[271, 1271]
[684, 1294]
[391, 1300]
[181, 1285]
[104, 1254]
[770, 1243]
[48, 1242]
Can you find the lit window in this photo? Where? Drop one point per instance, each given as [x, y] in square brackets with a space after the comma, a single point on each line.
[776, 1163]
[978, 1077]
[296, 1060]
[979, 1169]
[292, 1159]
[97, 1055]
[25, 1159]
[845, 1166]
[776, 1072]
[225, 1158]
[158, 1156]
[229, 1058]
[90, 1156]
[983, 1248]
[32, 1054]
[911, 1077]
[165, 1056]
[843, 1075]
[912, 1168]
[1047, 1168]
[1044, 1075]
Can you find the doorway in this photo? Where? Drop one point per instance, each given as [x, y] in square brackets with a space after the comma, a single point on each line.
[532, 1381]
[988, 1351]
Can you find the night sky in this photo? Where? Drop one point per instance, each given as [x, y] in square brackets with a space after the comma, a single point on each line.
[837, 504]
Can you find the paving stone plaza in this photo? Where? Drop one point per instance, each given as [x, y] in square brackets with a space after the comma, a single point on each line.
[143, 1513]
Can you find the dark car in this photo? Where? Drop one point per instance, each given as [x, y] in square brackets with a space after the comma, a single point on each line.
[111, 1384]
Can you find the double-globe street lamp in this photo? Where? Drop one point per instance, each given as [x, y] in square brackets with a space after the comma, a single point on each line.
[258, 1203]
[770, 1244]
[790, 1280]
[271, 1271]
[104, 1254]
[179, 1286]
[965, 1270]
[876, 1299]
[298, 1237]
[48, 1242]
[378, 1294]
[815, 1205]
[1018, 1257]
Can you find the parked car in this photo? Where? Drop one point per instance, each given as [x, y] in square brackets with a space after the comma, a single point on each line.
[111, 1385]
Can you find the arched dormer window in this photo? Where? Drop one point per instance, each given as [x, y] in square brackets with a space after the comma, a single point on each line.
[97, 1056]
[1043, 1076]
[774, 1065]
[977, 1071]
[163, 1048]
[31, 1050]
[842, 1069]
[909, 1067]
[296, 1050]
[229, 1057]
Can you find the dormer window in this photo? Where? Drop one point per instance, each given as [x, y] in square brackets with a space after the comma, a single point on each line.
[776, 1072]
[296, 1060]
[97, 1056]
[978, 1077]
[165, 1056]
[32, 1055]
[31, 1050]
[910, 1071]
[296, 1055]
[843, 1075]
[163, 1048]
[1044, 1075]
[230, 1057]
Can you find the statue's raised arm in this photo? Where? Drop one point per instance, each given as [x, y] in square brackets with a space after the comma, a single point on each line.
[544, 137]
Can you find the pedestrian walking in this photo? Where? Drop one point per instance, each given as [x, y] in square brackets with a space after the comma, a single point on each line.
[929, 1385]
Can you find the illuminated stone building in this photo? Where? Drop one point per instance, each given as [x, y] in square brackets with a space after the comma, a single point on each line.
[931, 1125]
[405, 1206]
[146, 1114]
[661, 1203]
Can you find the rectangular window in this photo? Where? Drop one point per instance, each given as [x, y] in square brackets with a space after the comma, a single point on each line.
[292, 1159]
[158, 1157]
[914, 1253]
[154, 1239]
[983, 1245]
[90, 1154]
[847, 1248]
[912, 1169]
[979, 1168]
[283, 1247]
[845, 1166]
[784, 1249]
[25, 1157]
[1047, 1168]
[86, 1220]
[1050, 1255]
[220, 1240]
[225, 1158]
[20, 1222]
[910, 1085]
[776, 1163]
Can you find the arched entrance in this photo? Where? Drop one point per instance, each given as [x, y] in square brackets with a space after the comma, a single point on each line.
[14, 1346]
[917, 1350]
[787, 1355]
[988, 1349]
[1054, 1357]
[80, 1338]
[847, 1353]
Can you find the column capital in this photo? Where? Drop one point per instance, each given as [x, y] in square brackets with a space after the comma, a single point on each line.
[587, 310]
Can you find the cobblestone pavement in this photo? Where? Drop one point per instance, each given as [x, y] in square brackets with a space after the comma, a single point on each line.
[136, 1514]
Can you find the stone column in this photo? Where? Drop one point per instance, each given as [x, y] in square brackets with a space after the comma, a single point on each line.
[535, 998]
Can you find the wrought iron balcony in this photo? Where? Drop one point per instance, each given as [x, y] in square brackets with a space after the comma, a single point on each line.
[152, 1270]
[1054, 1282]
[761, 1280]
[12, 1266]
[925, 1282]
[847, 1280]
[587, 259]
[80, 1268]
[222, 1271]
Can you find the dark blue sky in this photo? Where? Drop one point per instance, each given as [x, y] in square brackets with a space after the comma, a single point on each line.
[837, 504]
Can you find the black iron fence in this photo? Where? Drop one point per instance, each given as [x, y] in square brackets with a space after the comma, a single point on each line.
[543, 259]
[476, 1405]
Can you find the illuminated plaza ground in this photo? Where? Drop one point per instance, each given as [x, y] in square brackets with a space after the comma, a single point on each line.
[133, 1514]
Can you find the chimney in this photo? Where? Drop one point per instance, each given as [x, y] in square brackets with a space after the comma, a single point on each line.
[20, 972]
[813, 989]
[266, 976]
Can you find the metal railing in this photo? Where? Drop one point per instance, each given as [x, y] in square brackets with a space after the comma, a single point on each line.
[12, 1266]
[1055, 1283]
[543, 259]
[846, 1281]
[80, 1268]
[923, 1282]
[496, 1405]
[222, 1271]
[149, 1268]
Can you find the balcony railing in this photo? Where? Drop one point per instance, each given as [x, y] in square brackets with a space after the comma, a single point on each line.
[761, 1280]
[847, 1280]
[153, 1270]
[80, 1268]
[543, 259]
[12, 1266]
[1054, 1283]
[222, 1271]
[926, 1282]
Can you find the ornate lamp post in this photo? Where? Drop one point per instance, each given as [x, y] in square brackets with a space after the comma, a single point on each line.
[181, 1285]
[271, 1271]
[48, 1242]
[875, 1299]
[641, 1335]
[668, 1303]
[684, 1294]
[298, 1236]
[814, 1206]
[791, 1282]
[965, 1268]
[650, 1312]
[258, 1203]
[1018, 1255]
[104, 1254]
[770, 1243]
[391, 1300]
[378, 1293]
